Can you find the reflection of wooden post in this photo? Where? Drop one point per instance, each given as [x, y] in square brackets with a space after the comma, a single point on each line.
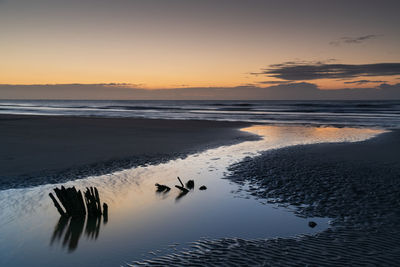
[184, 190]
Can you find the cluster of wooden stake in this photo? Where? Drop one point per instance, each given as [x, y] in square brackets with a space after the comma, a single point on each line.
[73, 205]
[184, 189]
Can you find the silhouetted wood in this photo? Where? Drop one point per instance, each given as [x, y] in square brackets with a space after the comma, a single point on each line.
[190, 184]
[203, 187]
[75, 205]
[57, 205]
[179, 179]
[92, 202]
[97, 197]
[181, 187]
[82, 207]
[162, 188]
[71, 201]
[105, 213]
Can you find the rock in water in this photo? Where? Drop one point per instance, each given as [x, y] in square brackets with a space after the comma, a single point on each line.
[312, 224]
[203, 187]
[190, 184]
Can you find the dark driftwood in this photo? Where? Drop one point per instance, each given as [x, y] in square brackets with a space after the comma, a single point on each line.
[181, 187]
[105, 213]
[74, 205]
[57, 205]
[162, 188]
[92, 200]
[190, 184]
[179, 179]
[71, 200]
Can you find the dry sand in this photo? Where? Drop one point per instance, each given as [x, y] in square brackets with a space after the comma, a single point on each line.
[49, 149]
[356, 184]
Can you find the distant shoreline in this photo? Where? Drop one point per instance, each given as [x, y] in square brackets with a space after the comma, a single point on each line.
[51, 149]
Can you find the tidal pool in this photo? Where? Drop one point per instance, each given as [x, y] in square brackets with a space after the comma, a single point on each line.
[142, 223]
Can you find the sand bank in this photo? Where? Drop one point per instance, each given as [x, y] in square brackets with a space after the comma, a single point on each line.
[356, 184]
[50, 149]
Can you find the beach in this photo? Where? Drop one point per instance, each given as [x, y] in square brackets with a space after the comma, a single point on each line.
[49, 149]
[199, 133]
[265, 184]
[354, 184]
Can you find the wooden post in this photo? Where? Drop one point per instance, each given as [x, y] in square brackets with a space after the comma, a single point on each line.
[179, 179]
[105, 213]
[77, 204]
[57, 205]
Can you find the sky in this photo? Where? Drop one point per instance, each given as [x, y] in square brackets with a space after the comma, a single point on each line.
[196, 44]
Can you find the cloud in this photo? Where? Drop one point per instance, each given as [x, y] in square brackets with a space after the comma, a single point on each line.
[273, 82]
[364, 81]
[299, 71]
[354, 40]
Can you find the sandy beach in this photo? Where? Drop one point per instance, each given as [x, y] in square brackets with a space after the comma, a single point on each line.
[355, 184]
[49, 149]
[276, 193]
[199, 133]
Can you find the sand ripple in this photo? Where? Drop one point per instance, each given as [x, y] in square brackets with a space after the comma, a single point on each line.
[356, 184]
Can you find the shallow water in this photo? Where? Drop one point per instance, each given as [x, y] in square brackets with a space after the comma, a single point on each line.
[143, 223]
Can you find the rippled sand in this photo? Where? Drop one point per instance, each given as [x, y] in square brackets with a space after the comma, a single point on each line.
[356, 184]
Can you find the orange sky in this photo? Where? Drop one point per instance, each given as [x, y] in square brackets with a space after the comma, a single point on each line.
[187, 43]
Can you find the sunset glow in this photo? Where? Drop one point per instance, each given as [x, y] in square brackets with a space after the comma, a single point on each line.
[155, 45]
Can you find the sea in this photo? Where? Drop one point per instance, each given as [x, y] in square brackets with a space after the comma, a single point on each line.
[381, 114]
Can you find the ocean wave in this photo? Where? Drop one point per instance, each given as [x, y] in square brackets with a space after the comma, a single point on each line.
[357, 113]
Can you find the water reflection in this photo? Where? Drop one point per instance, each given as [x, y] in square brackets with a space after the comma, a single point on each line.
[181, 195]
[69, 230]
[144, 220]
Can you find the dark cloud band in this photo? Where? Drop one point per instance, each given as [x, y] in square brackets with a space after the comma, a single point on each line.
[364, 81]
[354, 40]
[292, 71]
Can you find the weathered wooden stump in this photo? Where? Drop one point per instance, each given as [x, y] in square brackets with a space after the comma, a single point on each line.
[73, 205]
[92, 200]
[105, 213]
[162, 188]
[190, 184]
[181, 187]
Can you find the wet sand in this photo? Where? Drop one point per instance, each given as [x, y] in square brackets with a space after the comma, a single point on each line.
[355, 184]
[51, 149]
